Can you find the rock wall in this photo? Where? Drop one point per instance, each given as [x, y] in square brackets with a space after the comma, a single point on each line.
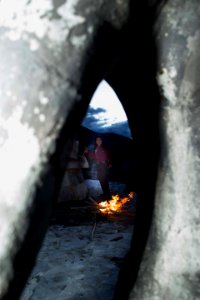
[53, 55]
[171, 265]
[44, 49]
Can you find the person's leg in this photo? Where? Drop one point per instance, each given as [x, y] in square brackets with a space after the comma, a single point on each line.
[102, 174]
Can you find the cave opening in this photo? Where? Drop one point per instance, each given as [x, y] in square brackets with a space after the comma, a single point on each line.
[85, 246]
[113, 60]
[116, 282]
[113, 54]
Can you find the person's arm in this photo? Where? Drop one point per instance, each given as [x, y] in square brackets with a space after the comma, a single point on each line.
[89, 154]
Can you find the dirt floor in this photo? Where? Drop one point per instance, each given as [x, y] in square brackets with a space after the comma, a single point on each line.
[82, 252]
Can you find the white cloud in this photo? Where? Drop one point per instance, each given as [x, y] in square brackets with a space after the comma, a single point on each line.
[105, 98]
[106, 113]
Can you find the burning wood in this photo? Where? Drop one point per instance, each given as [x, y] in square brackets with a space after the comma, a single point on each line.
[114, 205]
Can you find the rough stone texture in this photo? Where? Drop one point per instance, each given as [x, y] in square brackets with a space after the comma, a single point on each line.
[171, 266]
[53, 55]
[43, 47]
[75, 263]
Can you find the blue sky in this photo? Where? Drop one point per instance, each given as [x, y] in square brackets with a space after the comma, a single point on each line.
[105, 112]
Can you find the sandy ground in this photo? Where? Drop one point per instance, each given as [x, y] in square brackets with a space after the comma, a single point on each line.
[81, 261]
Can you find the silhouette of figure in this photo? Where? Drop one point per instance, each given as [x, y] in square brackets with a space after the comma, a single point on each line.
[102, 157]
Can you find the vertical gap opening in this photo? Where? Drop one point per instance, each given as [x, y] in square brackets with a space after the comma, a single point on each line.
[84, 245]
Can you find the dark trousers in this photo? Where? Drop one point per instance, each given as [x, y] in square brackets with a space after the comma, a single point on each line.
[103, 177]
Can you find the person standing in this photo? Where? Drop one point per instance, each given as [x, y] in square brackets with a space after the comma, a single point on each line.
[102, 157]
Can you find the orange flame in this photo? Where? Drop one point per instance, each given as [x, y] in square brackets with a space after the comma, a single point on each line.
[115, 204]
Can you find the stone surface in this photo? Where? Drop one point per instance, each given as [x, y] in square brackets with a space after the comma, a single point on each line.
[170, 268]
[43, 47]
[53, 55]
[77, 263]
[81, 256]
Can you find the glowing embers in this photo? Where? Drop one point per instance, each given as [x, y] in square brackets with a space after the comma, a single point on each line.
[116, 204]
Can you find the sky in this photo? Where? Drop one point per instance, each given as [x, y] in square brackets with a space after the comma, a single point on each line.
[105, 112]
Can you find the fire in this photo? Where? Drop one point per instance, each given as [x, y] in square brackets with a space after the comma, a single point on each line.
[115, 204]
